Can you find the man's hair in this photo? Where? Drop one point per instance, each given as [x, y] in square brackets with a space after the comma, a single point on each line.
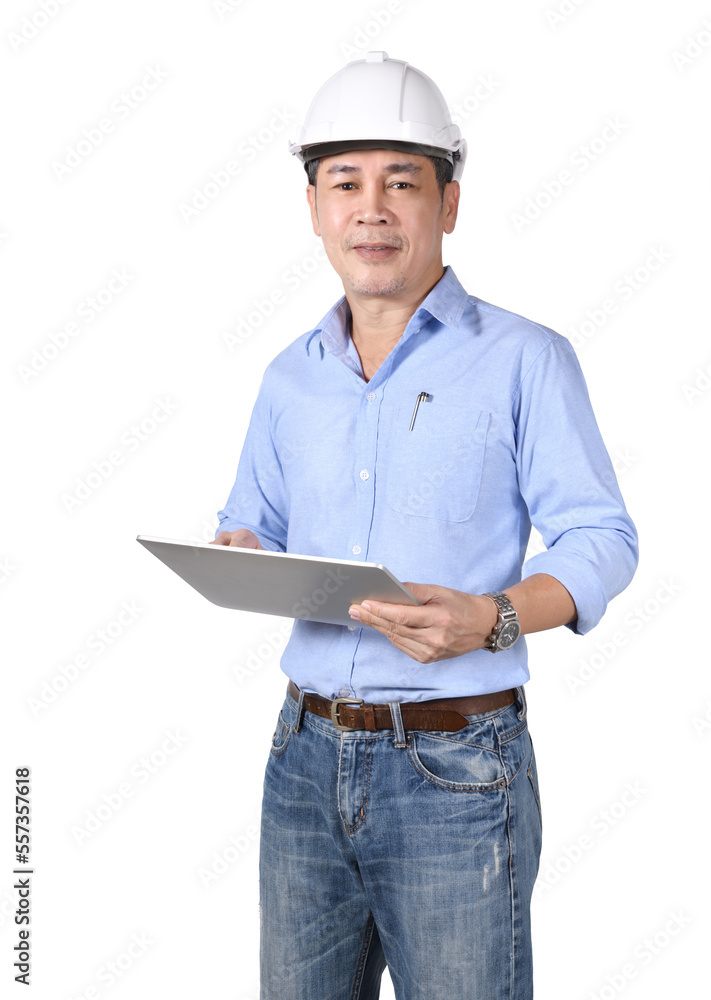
[443, 172]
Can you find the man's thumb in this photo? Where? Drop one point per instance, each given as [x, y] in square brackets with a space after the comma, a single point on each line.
[422, 591]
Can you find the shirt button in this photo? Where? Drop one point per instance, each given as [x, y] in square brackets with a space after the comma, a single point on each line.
[370, 396]
[344, 692]
[356, 550]
[352, 628]
[364, 474]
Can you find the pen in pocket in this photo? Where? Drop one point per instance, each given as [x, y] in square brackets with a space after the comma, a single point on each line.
[420, 399]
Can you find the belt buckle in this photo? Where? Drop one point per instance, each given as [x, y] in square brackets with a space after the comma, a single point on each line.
[334, 713]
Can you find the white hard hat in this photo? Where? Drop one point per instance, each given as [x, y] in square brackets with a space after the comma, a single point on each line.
[380, 102]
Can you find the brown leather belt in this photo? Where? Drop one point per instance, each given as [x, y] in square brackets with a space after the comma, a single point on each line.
[446, 714]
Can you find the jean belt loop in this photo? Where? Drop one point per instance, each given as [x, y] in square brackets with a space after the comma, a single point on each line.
[299, 712]
[396, 715]
[523, 710]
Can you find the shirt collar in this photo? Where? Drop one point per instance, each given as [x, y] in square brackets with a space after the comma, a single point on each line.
[445, 303]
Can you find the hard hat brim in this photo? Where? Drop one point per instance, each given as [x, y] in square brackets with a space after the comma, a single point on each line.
[332, 148]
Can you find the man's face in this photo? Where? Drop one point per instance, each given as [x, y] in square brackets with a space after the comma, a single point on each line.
[381, 219]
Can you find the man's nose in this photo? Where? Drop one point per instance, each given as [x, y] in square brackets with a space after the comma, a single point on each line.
[372, 208]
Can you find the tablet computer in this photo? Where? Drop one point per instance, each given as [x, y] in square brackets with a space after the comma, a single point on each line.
[278, 583]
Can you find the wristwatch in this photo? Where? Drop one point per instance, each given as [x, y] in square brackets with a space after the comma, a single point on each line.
[507, 629]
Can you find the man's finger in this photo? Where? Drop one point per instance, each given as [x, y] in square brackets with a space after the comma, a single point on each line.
[408, 641]
[403, 615]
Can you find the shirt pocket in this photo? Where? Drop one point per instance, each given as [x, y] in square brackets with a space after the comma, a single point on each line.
[434, 470]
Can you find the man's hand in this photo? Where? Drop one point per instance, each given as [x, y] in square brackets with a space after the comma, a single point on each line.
[448, 624]
[243, 538]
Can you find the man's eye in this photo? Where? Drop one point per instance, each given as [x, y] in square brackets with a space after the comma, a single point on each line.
[350, 185]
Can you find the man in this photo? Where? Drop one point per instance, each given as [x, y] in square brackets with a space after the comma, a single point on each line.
[423, 428]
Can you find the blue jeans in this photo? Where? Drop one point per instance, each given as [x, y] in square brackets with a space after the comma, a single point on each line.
[414, 849]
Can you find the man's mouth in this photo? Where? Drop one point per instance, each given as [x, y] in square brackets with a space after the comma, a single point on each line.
[375, 251]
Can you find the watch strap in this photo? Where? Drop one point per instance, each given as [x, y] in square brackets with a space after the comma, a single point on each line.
[507, 613]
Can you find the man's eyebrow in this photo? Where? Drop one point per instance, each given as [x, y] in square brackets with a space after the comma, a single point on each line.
[390, 168]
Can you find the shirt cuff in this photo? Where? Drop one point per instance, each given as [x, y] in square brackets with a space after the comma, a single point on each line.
[589, 597]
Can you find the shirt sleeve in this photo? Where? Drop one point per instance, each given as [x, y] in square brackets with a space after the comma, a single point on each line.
[569, 485]
[258, 500]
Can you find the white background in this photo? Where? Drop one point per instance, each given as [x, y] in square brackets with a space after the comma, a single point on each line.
[531, 89]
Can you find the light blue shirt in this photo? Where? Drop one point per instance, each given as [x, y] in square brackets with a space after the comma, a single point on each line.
[506, 438]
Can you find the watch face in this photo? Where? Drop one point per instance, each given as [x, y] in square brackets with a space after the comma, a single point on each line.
[508, 635]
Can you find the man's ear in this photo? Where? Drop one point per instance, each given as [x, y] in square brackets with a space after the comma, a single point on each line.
[450, 206]
[311, 198]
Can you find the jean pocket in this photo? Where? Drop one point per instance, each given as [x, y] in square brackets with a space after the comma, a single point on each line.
[281, 737]
[533, 778]
[455, 764]
[434, 470]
